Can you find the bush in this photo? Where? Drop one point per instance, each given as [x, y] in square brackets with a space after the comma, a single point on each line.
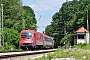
[87, 46]
[80, 45]
[11, 39]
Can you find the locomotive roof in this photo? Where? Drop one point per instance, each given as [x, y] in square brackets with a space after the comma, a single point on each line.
[36, 32]
[27, 31]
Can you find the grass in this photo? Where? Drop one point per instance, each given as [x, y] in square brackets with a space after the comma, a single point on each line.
[79, 52]
[9, 50]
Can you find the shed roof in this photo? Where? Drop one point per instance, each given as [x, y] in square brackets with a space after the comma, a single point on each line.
[82, 29]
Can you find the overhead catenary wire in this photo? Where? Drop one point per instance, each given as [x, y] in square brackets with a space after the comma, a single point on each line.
[38, 14]
[42, 16]
[42, 8]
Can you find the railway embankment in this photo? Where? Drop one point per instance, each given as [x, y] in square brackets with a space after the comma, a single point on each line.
[24, 53]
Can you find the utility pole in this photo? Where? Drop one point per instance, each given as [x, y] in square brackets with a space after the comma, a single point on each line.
[65, 31]
[88, 35]
[23, 20]
[23, 23]
[37, 26]
[2, 27]
[87, 21]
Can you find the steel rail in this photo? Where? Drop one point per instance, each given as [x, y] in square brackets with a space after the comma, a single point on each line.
[15, 54]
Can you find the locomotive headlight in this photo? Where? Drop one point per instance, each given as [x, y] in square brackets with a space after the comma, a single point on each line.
[30, 34]
[26, 41]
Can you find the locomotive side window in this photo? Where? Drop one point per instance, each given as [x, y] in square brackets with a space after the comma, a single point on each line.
[26, 35]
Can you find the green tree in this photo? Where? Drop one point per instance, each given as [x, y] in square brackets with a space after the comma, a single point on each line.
[11, 16]
[11, 12]
[48, 30]
[71, 16]
[29, 17]
[14, 13]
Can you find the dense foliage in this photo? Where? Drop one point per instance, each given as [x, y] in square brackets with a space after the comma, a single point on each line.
[29, 16]
[71, 16]
[16, 18]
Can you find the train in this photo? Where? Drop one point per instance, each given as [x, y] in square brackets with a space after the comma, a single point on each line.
[31, 40]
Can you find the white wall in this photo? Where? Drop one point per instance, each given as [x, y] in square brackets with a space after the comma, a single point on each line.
[81, 41]
[87, 38]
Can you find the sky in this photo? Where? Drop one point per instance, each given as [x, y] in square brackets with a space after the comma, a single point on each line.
[44, 11]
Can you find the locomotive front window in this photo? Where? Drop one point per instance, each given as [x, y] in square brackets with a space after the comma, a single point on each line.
[26, 35]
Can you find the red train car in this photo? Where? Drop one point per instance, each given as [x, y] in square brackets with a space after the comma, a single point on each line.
[30, 39]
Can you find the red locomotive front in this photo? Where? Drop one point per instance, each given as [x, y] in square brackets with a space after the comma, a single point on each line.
[27, 39]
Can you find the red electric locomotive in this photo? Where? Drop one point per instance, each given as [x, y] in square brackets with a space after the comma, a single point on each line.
[30, 39]
[27, 39]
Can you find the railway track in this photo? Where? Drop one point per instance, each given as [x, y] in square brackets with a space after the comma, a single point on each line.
[22, 55]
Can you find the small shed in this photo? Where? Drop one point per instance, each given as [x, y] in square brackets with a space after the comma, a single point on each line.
[81, 36]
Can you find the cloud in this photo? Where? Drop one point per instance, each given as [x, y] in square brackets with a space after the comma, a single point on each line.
[41, 5]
